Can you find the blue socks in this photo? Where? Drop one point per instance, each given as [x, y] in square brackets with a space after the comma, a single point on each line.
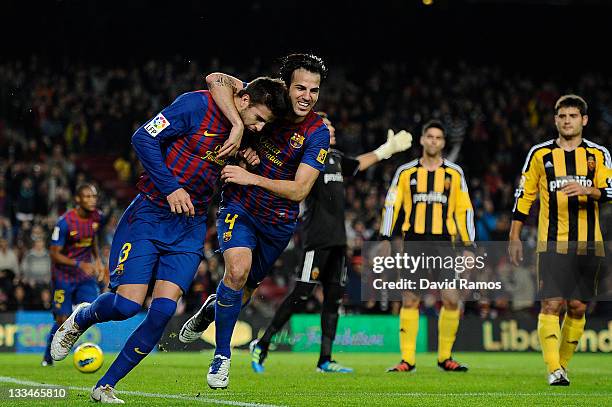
[141, 342]
[227, 309]
[107, 307]
[47, 356]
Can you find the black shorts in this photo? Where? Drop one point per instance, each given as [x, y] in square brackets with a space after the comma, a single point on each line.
[433, 251]
[324, 265]
[569, 276]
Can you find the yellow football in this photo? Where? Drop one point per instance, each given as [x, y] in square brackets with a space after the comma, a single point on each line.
[88, 357]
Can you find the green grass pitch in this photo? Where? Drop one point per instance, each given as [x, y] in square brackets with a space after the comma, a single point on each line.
[290, 379]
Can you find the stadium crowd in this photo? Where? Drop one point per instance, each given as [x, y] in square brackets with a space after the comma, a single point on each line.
[51, 118]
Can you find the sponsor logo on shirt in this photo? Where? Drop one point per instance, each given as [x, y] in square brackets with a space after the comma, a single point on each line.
[86, 242]
[560, 182]
[337, 177]
[212, 156]
[430, 197]
[156, 125]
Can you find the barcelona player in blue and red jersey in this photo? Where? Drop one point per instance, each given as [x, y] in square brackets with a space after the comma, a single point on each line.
[160, 237]
[259, 210]
[75, 259]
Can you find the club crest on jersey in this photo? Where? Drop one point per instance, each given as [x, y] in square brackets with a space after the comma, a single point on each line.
[296, 141]
[95, 226]
[227, 236]
[315, 273]
[156, 125]
[447, 183]
[591, 163]
[322, 155]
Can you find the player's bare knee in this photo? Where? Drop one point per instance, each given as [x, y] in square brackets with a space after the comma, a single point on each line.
[235, 277]
[133, 292]
[552, 306]
[576, 309]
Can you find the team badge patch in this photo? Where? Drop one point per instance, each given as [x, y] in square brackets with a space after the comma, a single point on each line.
[591, 163]
[321, 156]
[156, 125]
[315, 273]
[447, 183]
[296, 140]
[227, 236]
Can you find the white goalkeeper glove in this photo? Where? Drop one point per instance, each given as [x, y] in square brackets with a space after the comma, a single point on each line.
[395, 143]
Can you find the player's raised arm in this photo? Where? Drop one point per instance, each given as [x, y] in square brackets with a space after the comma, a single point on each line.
[223, 88]
[173, 121]
[396, 142]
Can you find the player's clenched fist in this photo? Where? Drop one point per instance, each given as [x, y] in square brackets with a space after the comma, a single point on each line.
[237, 175]
[180, 202]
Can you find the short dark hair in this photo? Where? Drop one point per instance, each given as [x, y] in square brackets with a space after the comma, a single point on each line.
[269, 92]
[435, 124]
[572, 101]
[309, 62]
[84, 186]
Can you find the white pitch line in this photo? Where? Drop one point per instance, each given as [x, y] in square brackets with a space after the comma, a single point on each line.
[6, 379]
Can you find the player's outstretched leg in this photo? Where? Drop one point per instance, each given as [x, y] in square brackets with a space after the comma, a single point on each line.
[227, 308]
[448, 323]
[295, 301]
[329, 324]
[139, 344]
[197, 324]
[107, 307]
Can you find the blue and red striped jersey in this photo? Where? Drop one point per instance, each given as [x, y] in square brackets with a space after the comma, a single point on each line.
[178, 149]
[75, 236]
[281, 147]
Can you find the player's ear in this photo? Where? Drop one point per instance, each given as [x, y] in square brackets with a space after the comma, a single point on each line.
[245, 100]
[585, 120]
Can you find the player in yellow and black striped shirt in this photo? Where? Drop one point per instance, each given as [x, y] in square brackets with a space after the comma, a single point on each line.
[572, 177]
[428, 201]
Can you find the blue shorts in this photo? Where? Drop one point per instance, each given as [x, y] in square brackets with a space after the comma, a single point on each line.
[67, 294]
[238, 228]
[151, 243]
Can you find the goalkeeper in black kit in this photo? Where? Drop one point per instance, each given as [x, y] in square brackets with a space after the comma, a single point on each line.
[324, 240]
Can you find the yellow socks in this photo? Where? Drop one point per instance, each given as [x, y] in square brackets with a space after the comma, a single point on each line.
[571, 331]
[409, 327]
[550, 335]
[448, 322]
